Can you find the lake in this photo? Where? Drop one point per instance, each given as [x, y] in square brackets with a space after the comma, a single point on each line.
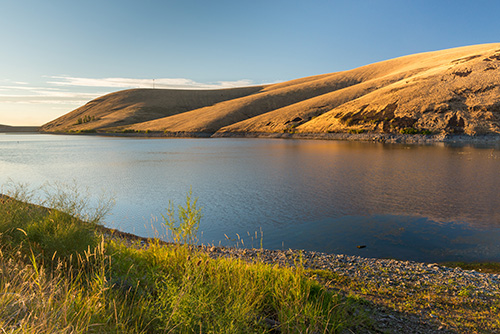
[414, 202]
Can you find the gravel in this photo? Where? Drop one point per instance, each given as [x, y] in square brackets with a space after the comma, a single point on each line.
[381, 271]
[405, 277]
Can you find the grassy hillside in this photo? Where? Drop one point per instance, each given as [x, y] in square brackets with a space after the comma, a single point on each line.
[61, 274]
[450, 91]
[139, 105]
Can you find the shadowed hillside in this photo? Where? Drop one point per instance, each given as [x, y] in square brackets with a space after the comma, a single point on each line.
[8, 128]
[139, 105]
[450, 91]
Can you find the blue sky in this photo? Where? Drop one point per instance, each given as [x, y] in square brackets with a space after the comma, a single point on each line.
[56, 55]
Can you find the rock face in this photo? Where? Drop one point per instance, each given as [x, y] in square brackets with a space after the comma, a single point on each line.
[454, 91]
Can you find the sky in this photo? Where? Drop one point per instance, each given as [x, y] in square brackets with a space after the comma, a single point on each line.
[56, 55]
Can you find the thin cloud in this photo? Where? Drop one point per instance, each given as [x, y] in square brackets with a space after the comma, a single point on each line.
[67, 90]
[172, 83]
[43, 96]
[31, 100]
[29, 88]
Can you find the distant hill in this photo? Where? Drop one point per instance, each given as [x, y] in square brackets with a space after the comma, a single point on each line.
[450, 91]
[8, 128]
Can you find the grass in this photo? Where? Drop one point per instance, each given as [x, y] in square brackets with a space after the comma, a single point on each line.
[59, 275]
[483, 267]
[464, 309]
[413, 131]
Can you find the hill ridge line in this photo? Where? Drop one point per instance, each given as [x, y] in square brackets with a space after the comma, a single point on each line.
[452, 92]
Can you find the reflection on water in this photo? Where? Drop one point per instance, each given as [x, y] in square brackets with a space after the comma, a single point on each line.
[396, 237]
[404, 201]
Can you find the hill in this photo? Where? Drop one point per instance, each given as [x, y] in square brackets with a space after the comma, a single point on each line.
[133, 106]
[8, 128]
[453, 91]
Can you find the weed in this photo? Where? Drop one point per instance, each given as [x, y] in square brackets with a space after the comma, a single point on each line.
[101, 284]
[87, 131]
[484, 267]
[409, 131]
[184, 230]
[413, 131]
[85, 119]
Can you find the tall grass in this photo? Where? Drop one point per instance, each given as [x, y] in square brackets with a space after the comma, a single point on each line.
[184, 228]
[57, 275]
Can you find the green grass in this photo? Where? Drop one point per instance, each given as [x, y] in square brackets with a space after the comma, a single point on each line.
[413, 131]
[483, 267]
[463, 309]
[356, 131]
[59, 275]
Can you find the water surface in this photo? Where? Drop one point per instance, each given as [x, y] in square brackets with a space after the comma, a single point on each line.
[428, 203]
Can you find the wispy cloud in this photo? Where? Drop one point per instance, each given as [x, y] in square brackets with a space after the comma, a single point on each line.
[54, 96]
[75, 91]
[13, 94]
[172, 83]
[27, 88]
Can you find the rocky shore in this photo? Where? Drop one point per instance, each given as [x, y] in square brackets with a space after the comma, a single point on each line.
[403, 296]
[391, 285]
[373, 137]
[488, 139]
[377, 271]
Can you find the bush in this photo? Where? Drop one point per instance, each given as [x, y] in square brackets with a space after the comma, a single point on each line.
[66, 228]
[87, 131]
[117, 286]
[185, 230]
[413, 131]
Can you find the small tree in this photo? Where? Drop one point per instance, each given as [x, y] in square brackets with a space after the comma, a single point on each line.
[185, 230]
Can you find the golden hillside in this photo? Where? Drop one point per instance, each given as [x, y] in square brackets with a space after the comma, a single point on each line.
[133, 106]
[449, 91]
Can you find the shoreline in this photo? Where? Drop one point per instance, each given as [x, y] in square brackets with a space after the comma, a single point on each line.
[19, 129]
[339, 263]
[400, 296]
[390, 138]
[397, 296]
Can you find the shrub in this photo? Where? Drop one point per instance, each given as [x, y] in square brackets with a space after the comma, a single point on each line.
[66, 228]
[413, 131]
[87, 131]
[185, 230]
[118, 286]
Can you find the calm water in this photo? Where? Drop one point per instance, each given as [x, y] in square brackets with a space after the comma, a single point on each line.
[428, 203]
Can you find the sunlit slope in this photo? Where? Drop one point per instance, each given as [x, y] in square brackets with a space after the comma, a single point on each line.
[272, 97]
[453, 91]
[449, 91]
[139, 105]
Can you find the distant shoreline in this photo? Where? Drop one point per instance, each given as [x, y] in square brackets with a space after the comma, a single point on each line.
[361, 137]
[23, 129]
[373, 137]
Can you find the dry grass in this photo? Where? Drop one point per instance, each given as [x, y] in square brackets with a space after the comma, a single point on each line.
[117, 286]
[463, 310]
[451, 91]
